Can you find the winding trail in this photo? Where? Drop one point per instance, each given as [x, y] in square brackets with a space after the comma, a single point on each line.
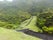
[30, 24]
[29, 21]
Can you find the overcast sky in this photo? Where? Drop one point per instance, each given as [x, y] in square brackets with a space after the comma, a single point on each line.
[6, 0]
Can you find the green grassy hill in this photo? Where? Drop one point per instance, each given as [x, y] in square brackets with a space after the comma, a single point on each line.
[6, 34]
[31, 24]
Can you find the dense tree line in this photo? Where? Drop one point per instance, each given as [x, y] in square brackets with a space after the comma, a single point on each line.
[45, 21]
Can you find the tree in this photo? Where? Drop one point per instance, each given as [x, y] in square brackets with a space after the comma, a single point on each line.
[45, 21]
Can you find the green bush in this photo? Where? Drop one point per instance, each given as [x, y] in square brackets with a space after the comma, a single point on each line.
[45, 21]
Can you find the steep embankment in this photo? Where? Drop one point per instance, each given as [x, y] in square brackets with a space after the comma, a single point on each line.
[6, 34]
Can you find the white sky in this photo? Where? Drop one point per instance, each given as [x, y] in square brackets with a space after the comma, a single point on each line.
[7, 0]
[1, 0]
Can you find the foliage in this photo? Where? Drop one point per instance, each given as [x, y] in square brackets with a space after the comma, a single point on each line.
[45, 22]
[11, 16]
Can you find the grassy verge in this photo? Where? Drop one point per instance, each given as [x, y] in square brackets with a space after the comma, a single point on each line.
[6, 34]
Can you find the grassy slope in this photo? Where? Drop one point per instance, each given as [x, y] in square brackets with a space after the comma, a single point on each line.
[6, 34]
[31, 24]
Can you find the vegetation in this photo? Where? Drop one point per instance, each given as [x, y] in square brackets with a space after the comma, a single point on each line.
[31, 14]
[45, 22]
